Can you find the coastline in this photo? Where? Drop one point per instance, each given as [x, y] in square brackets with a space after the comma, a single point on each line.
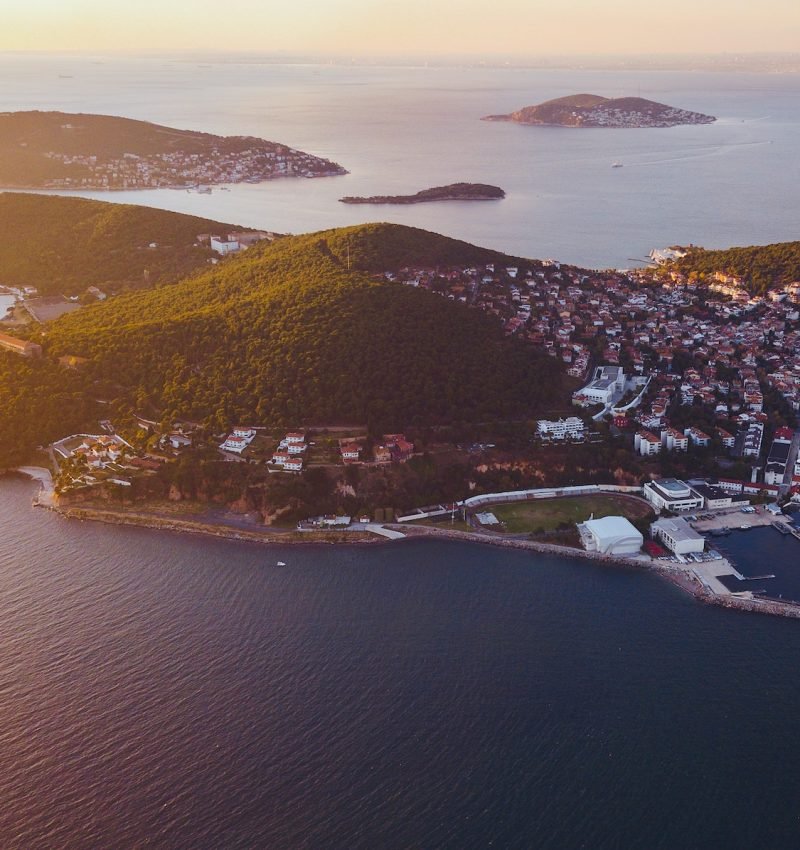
[676, 576]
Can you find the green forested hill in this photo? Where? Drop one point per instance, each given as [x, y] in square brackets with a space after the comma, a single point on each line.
[39, 402]
[380, 247]
[761, 267]
[64, 245]
[286, 334]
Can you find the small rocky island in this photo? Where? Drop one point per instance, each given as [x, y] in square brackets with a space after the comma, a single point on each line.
[453, 192]
[592, 110]
[59, 150]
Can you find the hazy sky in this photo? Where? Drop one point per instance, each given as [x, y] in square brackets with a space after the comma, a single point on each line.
[352, 27]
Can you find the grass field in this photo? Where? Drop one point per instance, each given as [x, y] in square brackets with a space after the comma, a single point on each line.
[548, 514]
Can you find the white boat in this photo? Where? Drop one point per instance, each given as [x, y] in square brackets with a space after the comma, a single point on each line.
[616, 165]
[281, 564]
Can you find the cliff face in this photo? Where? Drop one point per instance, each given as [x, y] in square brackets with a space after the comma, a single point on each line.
[591, 110]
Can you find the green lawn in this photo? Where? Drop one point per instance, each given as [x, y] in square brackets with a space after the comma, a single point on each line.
[548, 514]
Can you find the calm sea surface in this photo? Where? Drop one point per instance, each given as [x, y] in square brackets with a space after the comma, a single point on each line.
[402, 129]
[159, 690]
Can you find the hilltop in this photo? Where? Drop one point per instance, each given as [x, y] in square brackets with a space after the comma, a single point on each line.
[287, 333]
[65, 245]
[591, 110]
[65, 150]
[451, 192]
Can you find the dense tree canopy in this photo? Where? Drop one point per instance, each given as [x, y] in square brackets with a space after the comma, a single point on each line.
[39, 402]
[761, 267]
[286, 334]
[64, 245]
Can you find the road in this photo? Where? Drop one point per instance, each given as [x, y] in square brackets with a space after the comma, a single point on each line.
[794, 449]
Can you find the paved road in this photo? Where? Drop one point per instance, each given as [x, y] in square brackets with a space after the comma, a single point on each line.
[794, 449]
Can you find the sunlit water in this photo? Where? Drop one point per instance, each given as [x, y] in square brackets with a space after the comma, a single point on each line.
[400, 130]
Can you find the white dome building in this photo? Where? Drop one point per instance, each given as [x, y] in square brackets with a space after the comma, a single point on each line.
[611, 535]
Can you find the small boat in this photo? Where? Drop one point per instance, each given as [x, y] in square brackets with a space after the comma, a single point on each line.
[281, 564]
[616, 165]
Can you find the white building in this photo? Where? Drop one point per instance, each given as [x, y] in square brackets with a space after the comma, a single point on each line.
[674, 441]
[607, 383]
[752, 440]
[646, 443]
[571, 428]
[611, 535]
[669, 494]
[697, 437]
[224, 245]
[238, 440]
[678, 536]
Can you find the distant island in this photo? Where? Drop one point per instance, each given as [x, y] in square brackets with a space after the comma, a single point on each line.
[592, 110]
[453, 192]
[58, 150]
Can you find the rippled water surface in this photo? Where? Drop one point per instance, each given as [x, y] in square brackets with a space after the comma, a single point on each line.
[161, 690]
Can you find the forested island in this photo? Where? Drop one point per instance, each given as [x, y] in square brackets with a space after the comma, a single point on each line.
[592, 110]
[452, 192]
[63, 246]
[58, 150]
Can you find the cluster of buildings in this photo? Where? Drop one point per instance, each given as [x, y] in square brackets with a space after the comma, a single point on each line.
[290, 452]
[239, 439]
[99, 451]
[572, 429]
[711, 352]
[393, 448]
[182, 169]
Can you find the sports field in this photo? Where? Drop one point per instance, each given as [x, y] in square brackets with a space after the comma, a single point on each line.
[548, 514]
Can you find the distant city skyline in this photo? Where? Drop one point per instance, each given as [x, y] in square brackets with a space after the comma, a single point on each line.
[521, 28]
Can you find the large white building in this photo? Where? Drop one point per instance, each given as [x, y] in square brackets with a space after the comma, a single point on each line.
[669, 494]
[611, 535]
[561, 429]
[607, 383]
[678, 536]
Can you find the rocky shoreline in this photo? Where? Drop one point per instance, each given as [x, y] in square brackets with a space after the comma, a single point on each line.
[142, 519]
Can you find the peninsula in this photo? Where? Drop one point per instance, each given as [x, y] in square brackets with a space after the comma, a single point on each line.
[451, 192]
[592, 110]
[58, 150]
[175, 403]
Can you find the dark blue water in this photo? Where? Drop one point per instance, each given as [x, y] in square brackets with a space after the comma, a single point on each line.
[160, 690]
[763, 551]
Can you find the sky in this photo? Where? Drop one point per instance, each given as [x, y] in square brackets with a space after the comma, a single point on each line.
[525, 28]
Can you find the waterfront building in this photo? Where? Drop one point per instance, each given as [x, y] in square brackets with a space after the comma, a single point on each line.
[778, 456]
[669, 494]
[678, 536]
[611, 535]
[715, 496]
